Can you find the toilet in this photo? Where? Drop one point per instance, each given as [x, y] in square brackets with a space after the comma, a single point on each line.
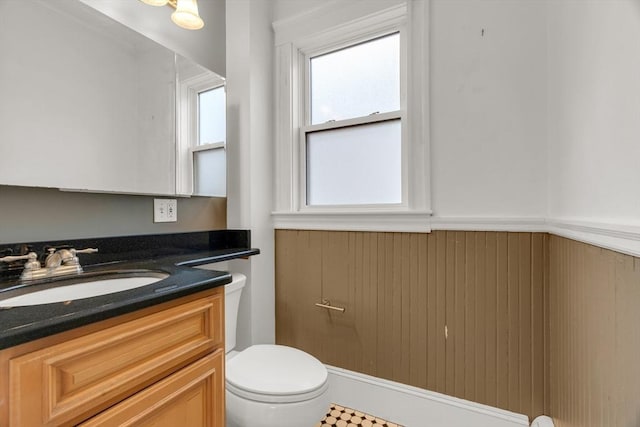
[270, 385]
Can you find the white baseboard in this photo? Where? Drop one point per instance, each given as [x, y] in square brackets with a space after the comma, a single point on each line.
[412, 406]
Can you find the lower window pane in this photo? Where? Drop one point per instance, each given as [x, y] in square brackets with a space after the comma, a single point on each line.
[210, 172]
[356, 165]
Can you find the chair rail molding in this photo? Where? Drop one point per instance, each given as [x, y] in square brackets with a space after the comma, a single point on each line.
[616, 236]
[391, 221]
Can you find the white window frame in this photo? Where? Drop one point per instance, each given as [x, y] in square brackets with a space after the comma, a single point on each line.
[323, 30]
[187, 128]
[306, 127]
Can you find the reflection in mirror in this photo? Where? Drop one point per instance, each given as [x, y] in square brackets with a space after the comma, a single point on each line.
[201, 130]
[87, 103]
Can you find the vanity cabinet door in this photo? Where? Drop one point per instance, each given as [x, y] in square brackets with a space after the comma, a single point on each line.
[69, 382]
[193, 396]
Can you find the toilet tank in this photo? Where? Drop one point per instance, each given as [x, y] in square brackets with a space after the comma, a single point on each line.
[232, 293]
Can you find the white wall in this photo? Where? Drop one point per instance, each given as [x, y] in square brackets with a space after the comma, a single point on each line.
[488, 108]
[250, 164]
[594, 111]
[288, 8]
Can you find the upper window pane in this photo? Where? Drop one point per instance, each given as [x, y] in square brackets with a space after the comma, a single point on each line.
[356, 81]
[211, 116]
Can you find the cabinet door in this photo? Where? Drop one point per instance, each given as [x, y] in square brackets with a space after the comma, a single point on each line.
[77, 379]
[193, 396]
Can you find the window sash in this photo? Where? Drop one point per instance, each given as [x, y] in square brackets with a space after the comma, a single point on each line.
[306, 127]
[369, 72]
[357, 170]
[198, 107]
[199, 186]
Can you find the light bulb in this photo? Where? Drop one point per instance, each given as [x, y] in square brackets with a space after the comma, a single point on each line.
[155, 2]
[186, 15]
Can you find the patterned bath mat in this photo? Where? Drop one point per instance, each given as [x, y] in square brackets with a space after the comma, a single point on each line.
[339, 416]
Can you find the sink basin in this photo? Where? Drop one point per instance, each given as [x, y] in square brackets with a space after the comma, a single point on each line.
[93, 287]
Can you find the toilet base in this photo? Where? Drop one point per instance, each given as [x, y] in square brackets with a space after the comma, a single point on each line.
[248, 413]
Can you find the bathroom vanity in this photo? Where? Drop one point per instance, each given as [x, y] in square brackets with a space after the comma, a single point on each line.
[153, 355]
[162, 365]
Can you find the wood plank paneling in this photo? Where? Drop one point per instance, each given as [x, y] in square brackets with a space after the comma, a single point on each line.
[403, 290]
[491, 319]
[502, 323]
[594, 344]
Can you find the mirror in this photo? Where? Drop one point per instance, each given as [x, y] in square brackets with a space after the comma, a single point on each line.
[87, 104]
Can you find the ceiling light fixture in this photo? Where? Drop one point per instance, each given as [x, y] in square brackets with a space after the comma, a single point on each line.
[155, 2]
[185, 14]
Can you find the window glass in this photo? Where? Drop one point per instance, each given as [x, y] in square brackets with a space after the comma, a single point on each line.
[210, 172]
[356, 81]
[211, 116]
[355, 165]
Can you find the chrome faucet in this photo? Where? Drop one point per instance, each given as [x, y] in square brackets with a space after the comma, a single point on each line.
[58, 257]
[59, 262]
[64, 261]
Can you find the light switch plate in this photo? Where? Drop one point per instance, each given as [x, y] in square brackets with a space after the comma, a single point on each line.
[165, 210]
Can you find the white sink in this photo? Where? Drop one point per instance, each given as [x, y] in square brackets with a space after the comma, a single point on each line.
[87, 289]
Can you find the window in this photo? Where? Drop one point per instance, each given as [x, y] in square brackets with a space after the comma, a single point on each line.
[201, 132]
[352, 121]
[209, 157]
[353, 139]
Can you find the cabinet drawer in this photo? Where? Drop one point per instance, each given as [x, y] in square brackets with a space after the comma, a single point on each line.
[83, 376]
[193, 396]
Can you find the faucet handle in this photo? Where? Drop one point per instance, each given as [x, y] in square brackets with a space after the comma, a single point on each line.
[84, 251]
[11, 258]
[31, 264]
[74, 258]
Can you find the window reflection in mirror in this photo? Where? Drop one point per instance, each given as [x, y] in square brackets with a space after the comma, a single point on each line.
[209, 160]
[202, 130]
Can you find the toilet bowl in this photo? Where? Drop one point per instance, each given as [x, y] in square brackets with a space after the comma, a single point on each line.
[270, 385]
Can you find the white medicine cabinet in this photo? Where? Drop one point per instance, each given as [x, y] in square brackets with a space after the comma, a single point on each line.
[90, 105]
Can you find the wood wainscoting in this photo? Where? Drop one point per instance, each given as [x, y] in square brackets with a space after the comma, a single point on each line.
[458, 312]
[595, 336]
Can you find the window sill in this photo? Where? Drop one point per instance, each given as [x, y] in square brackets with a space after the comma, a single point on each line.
[386, 221]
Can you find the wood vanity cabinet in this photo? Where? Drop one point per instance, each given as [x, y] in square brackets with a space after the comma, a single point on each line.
[160, 366]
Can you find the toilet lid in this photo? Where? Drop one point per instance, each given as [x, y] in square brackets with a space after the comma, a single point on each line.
[275, 370]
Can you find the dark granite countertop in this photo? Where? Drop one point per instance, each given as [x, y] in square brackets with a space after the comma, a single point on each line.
[136, 255]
